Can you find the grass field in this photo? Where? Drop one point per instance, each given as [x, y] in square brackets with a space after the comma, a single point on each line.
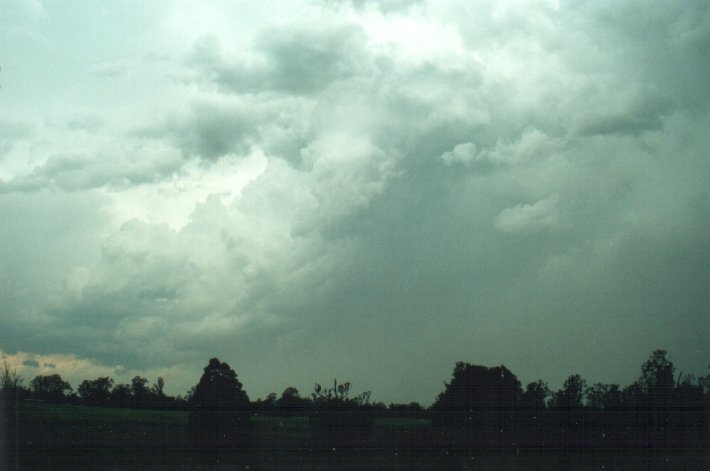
[45, 428]
[82, 437]
[37, 411]
[64, 437]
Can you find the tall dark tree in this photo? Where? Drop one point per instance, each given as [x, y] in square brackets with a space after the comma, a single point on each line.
[220, 409]
[156, 394]
[535, 395]
[603, 396]
[571, 395]
[478, 395]
[158, 387]
[657, 379]
[121, 395]
[140, 391]
[97, 391]
[288, 394]
[633, 396]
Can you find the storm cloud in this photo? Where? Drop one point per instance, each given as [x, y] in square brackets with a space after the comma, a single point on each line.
[357, 190]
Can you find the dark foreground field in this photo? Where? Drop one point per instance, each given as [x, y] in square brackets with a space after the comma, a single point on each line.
[45, 437]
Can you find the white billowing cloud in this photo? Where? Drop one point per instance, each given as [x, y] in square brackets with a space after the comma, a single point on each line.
[414, 39]
[347, 173]
[462, 153]
[172, 200]
[531, 145]
[534, 217]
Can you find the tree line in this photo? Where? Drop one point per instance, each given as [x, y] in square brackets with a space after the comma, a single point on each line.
[488, 405]
[139, 393]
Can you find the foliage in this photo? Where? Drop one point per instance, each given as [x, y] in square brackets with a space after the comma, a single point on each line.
[337, 396]
[121, 395]
[291, 402]
[96, 391]
[11, 384]
[158, 387]
[654, 411]
[220, 409]
[477, 395]
[535, 395]
[657, 379]
[603, 396]
[50, 388]
[657, 373]
[572, 393]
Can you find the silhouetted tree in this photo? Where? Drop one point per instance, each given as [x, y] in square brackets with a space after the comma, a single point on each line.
[657, 379]
[265, 406]
[140, 391]
[338, 393]
[291, 402]
[478, 395]
[220, 409]
[572, 393]
[689, 393]
[96, 392]
[535, 395]
[633, 396]
[11, 384]
[413, 409]
[121, 395]
[338, 419]
[158, 387]
[704, 382]
[603, 396]
[50, 388]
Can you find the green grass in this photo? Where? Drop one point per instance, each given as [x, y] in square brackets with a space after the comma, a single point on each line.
[401, 422]
[46, 428]
[81, 437]
[302, 423]
[35, 412]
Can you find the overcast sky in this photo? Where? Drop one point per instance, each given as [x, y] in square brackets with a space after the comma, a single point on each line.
[368, 191]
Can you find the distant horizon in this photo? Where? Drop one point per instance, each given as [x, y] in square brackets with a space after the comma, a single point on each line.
[354, 189]
[354, 389]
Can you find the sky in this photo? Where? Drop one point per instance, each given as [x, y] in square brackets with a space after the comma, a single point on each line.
[368, 191]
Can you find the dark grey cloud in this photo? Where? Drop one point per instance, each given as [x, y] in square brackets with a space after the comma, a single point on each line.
[290, 60]
[635, 119]
[213, 128]
[307, 61]
[212, 131]
[31, 363]
[658, 46]
[81, 172]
